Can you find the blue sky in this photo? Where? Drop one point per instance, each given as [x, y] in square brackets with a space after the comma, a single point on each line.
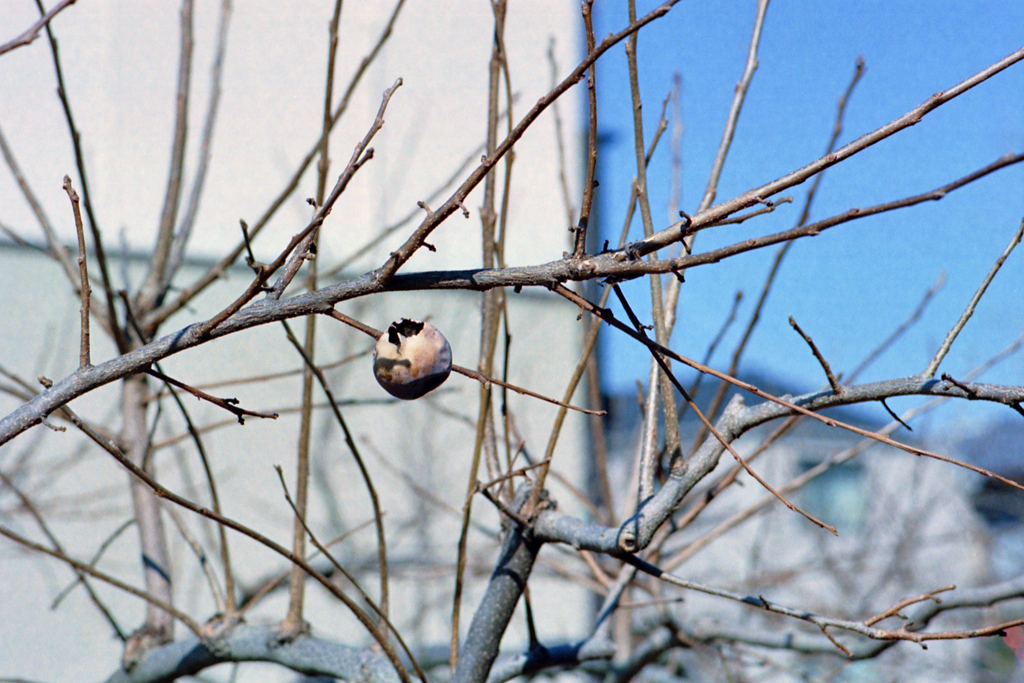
[852, 285]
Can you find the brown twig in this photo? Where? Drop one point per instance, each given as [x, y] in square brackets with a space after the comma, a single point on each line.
[491, 309]
[467, 372]
[707, 424]
[734, 110]
[659, 380]
[821, 622]
[228, 404]
[933, 365]
[360, 156]
[185, 225]
[480, 377]
[754, 196]
[588, 183]
[836, 387]
[385, 623]
[610, 318]
[83, 270]
[76, 142]
[402, 255]
[216, 271]
[84, 568]
[293, 622]
[378, 515]
[154, 286]
[894, 611]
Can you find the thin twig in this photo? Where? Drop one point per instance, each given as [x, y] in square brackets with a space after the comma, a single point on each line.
[83, 270]
[821, 622]
[204, 564]
[505, 509]
[385, 623]
[32, 32]
[895, 416]
[76, 141]
[894, 611]
[490, 318]
[154, 286]
[588, 183]
[610, 318]
[836, 387]
[84, 568]
[228, 404]
[756, 195]
[586, 354]
[730, 477]
[293, 622]
[480, 377]
[707, 423]
[359, 156]
[217, 270]
[468, 372]
[337, 268]
[184, 230]
[659, 382]
[742, 218]
[378, 515]
[734, 110]
[933, 365]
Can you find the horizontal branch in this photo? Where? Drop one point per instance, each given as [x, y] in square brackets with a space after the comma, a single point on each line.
[243, 643]
[455, 203]
[32, 32]
[612, 264]
[555, 526]
[911, 629]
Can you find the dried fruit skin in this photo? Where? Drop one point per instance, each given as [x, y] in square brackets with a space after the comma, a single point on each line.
[411, 359]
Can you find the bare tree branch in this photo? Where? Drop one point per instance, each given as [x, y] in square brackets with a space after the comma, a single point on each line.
[32, 32]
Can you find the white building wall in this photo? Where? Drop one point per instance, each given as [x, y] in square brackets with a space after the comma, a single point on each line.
[120, 61]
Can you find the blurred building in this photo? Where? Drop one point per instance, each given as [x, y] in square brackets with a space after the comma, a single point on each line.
[906, 525]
